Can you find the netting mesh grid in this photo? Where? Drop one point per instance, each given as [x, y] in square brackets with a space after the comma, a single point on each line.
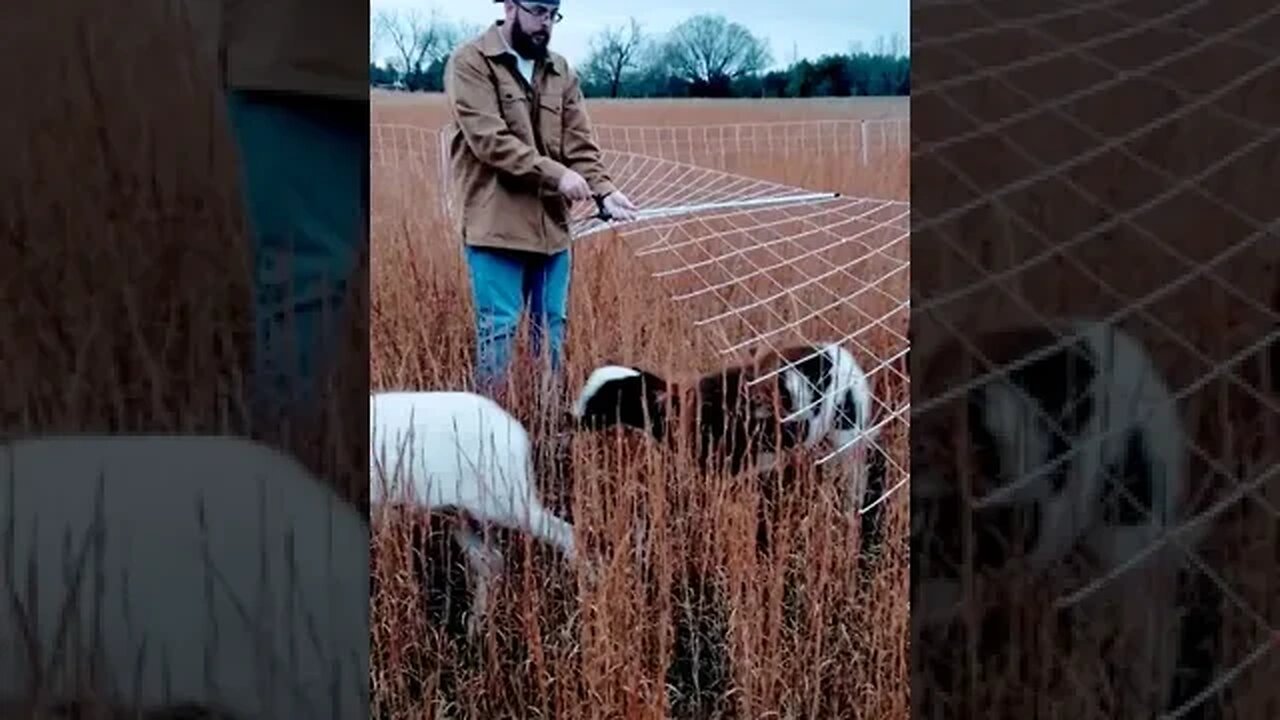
[760, 263]
[1102, 162]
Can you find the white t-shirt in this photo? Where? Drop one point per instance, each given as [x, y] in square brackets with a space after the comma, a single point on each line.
[524, 65]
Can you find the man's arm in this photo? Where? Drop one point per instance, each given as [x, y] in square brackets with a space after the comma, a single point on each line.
[581, 153]
[475, 111]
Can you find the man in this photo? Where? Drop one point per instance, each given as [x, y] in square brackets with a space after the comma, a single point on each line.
[296, 77]
[521, 153]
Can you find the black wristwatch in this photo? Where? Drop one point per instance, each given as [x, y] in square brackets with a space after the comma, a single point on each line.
[602, 213]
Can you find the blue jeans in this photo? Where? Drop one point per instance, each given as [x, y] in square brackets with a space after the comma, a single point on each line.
[502, 282]
[305, 176]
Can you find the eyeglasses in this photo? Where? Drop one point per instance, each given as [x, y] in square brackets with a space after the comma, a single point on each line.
[541, 12]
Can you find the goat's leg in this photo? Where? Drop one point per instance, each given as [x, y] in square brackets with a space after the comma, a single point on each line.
[485, 563]
[551, 529]
[1199, 636]
[876, 470]
[864, 468]
[852, 472]
[855, 496]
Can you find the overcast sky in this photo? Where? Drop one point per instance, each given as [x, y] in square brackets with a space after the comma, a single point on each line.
[810, 28]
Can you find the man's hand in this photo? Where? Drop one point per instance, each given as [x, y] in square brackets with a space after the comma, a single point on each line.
[573, 187]
[619, 206]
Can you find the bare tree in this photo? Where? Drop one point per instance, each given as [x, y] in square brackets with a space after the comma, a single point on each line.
[463, 30]
[416, 39]
[705, 48]
[376, 36]
[614, 54]
[892, 46]
[898, 45]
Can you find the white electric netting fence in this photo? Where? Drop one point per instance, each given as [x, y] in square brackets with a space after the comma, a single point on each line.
[716, 146]
[761, 264]
[1109, 75]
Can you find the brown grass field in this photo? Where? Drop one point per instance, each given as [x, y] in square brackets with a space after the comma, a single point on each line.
[687, 621]
[126, 285]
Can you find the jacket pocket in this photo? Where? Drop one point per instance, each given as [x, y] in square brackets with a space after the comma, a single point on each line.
[552, 124]
[516, 111]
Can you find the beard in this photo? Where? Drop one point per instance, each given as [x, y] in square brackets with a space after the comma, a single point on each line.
[530, 46]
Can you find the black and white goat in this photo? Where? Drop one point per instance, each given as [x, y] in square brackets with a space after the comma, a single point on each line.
[178, 576]
[740, 418]
[1077, 453]
[463, 452]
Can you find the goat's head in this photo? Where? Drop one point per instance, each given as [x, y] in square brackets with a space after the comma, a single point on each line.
[1085, 437]
[619, 395]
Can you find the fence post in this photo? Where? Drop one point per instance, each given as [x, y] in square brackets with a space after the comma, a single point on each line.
[863, 123]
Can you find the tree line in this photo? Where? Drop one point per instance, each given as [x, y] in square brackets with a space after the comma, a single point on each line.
[706, 56]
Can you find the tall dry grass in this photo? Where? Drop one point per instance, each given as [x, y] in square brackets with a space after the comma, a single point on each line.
[688, 620]
[124, 271]
[124, 267]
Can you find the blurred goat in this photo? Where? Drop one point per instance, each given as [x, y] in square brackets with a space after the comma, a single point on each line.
[1076, 451]
[179, 575]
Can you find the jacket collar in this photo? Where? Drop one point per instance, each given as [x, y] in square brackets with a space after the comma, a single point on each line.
[493, 45]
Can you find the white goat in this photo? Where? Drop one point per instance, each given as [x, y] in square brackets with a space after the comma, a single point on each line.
[209, 572]
[464, 452]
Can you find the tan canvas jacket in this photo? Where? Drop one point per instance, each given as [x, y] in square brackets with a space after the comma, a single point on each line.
[317, 47]
[511, 144]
